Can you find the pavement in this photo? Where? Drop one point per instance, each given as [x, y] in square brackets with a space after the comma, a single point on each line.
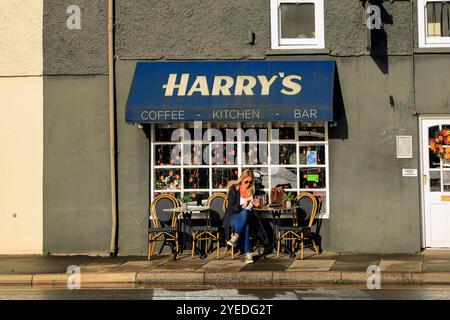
[430, 267]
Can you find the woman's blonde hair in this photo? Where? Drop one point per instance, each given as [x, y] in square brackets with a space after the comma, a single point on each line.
[247, 173]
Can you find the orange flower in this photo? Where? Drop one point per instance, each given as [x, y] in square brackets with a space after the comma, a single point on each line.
[445, 133]
[440, 138]
[441, 149]
[447, 150]
[447, 156]
[432, 145]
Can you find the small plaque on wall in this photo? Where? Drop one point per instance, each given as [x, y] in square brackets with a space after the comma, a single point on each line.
[404, 147]
[409, 172]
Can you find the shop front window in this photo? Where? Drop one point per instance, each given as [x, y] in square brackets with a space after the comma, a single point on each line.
[293, 154]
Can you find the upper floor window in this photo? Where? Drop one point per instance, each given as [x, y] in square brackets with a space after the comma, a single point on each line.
[297, 24]
[434, 23]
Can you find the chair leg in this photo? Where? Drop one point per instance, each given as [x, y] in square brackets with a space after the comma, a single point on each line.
[149, 250]
[193, 246]
[232, 253]
[177, 247]
[293, 245]
[315, 247]
[154, 247]
[278, 244]
[301, 247]
[218, 246]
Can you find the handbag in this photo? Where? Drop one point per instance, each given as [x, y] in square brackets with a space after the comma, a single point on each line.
[277, 196]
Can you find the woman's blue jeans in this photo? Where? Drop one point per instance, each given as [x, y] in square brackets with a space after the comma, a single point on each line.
[239, 222]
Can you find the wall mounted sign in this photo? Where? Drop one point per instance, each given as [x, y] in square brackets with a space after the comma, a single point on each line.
[409, 172]
[404, 147]
[231, 91]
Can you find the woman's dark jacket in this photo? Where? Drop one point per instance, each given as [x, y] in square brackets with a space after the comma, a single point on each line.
[233, 208]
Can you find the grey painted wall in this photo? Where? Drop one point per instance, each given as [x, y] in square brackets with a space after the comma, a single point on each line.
[211, 29]
[77, 202]
[76, 52]
[373, 208]
[133, 171]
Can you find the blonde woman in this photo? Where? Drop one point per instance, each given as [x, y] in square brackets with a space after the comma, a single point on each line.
[240, 204]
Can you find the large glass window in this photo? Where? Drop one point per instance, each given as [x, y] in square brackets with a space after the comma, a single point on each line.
[288, 153]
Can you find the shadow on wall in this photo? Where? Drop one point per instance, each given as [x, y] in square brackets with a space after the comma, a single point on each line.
[341, 130]
[378, 39]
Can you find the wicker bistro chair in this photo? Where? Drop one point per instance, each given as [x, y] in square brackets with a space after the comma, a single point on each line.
[211, 230]
[298, 231]
[163, 225]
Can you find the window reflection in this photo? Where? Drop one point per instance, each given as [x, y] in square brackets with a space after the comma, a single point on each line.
[168, 179]
[435, 181]
[283, 154]
[196, 178]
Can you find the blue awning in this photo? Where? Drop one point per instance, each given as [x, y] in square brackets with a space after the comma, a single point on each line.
[231, 91]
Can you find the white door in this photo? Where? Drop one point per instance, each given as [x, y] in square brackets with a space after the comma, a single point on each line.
[436, 187]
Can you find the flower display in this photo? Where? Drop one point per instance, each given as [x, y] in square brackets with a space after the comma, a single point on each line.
[440, 144]
[168, 180]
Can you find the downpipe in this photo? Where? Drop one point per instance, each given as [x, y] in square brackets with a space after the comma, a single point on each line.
[112, 136]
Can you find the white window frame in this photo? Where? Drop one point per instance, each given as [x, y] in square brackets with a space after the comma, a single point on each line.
[241, 165]
[278, 43]
[424, 40]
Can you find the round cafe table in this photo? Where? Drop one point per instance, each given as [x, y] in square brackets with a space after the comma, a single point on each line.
[185, 215]
[278, 213]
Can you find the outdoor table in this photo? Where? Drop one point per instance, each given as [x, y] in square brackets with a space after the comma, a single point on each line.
[185, 215]
[278, 213]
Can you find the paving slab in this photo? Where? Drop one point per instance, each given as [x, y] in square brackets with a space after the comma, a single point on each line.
[311, 265]
[400, 266]
[98, 268]
[261, 264]
[402, 257]
[355, 262]
[222, 266]
[29, 264]
[183, 263]
[359, 258]
[325, 255]
[136, 266]
[436, 266]
[436, 254]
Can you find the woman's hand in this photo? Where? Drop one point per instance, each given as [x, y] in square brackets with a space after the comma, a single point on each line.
[246, 204]
[256, 202]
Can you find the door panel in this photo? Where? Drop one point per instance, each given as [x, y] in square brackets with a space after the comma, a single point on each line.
[436, 186]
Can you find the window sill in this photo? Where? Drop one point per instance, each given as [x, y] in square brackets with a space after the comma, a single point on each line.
[432, 50]
[282, 52]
